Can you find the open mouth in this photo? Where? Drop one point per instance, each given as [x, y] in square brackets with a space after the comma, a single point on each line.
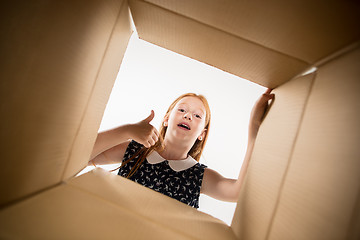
[184, 126]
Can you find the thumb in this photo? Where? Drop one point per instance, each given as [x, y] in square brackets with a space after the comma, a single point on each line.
[150, 117]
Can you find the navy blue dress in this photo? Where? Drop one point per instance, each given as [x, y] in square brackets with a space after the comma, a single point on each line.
[183, 185]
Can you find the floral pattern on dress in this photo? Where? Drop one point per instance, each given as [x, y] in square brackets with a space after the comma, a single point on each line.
[183, 186]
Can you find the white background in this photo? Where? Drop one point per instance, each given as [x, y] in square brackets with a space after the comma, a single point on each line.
[151, 77]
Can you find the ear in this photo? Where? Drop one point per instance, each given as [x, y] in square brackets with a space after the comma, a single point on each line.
[202, 135]
[166, 120]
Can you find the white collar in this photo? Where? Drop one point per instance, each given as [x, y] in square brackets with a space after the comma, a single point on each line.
[176, 165]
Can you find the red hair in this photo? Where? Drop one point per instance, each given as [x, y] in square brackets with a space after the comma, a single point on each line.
[196, 149]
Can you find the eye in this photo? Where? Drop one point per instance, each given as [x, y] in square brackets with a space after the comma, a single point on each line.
[181, 110]
[198, 116]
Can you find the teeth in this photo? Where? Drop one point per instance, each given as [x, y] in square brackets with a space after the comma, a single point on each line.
[184, 126]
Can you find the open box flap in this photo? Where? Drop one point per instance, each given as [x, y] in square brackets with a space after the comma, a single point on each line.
[268, 43]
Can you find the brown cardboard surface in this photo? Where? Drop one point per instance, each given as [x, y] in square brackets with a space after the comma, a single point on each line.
[100, 205]
[264, 42]
[320, 194]
[67, 213]
[52, 56]
[59, 61]
[213, 46]
[270, 159]
[308, 29]
[152, 205]
[105, 78]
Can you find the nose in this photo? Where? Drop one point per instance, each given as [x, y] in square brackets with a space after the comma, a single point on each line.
[188, 116]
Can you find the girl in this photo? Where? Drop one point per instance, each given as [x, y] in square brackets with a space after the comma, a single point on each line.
[167, 160]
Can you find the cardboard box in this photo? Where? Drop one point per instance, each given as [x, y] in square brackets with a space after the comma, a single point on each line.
[60, 60]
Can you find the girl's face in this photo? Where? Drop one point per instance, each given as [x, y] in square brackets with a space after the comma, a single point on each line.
[187, 120]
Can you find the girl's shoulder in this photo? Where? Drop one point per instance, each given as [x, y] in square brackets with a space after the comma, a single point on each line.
[201, 165]
[198, 168]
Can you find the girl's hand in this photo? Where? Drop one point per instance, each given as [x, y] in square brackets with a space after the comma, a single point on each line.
[259, 109]
[143, 132]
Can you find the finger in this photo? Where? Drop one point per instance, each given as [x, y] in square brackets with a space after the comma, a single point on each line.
[269, 96]
[146, 144]
[268, 91]
[155, 138]
[150, 117]
[151, 142]
[156, 132]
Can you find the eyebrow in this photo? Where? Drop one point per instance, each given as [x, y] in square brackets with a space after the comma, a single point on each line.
[203, 112]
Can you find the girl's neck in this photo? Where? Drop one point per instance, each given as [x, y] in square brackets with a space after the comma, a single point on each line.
[175, 151]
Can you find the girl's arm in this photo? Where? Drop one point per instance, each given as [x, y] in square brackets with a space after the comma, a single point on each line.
[110, 145]
[226, 189]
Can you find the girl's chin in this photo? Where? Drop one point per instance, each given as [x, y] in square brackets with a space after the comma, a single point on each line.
[183, 137]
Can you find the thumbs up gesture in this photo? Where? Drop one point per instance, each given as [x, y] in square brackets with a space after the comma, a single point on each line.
[143, 132]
